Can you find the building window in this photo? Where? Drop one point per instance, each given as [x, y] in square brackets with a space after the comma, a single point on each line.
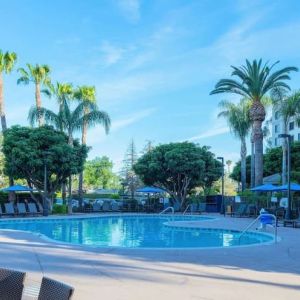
[276, 128]
[291, 125]
[276, 143]
[298, 136]
[292, 138]
[276, 115]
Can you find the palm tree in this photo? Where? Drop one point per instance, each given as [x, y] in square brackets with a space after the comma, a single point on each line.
[238, 119]
[91, 117]
[228, 163]
[39, 75]
[7, 62]
[287, 107]
[254, 81]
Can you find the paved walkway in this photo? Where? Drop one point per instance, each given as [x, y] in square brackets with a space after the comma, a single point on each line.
[257, 272]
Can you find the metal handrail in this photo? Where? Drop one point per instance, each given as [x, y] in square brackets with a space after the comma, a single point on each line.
[166, 209]
[187, 209]
[257, 219]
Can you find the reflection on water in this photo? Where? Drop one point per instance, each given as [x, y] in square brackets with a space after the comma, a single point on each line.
[133, 232]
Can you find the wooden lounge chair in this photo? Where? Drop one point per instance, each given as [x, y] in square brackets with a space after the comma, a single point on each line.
[54, 290]
[22, 209]
[11, 284]
[9, 209]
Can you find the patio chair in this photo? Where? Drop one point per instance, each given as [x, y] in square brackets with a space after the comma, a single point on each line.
[22, 209]
[106, 206]
[202, 207]
[241, 210]
[96, 207]
[54, 290]
[115, 206]
[11, 284]
[9, 209]
[32, 209]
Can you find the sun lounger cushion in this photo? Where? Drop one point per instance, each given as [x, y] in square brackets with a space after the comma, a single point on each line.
[54, 290]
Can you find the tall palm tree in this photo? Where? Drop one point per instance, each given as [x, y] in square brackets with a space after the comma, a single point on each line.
[39, 75]
[287, 107]
[7, 62]
[238, 119]
[254, 81]
[91, 117]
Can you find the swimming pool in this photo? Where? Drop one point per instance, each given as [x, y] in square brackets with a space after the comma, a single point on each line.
[134, 231]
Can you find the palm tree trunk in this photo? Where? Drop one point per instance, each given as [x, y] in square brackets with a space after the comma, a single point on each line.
[257, 116]
[243, 163]
[38, 103]
[252, 179]
[70, 210]
[80, 180]
[2, 112]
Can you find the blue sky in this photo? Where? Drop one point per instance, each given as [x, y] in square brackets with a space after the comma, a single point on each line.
[153, 62]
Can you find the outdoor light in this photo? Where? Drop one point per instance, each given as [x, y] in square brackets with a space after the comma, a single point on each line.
[223, 200]
[289, 138]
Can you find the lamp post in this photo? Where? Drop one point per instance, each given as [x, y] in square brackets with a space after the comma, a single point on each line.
[289, 139]
[223, 200]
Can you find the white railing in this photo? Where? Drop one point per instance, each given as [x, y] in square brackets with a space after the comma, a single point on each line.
[257, 219]
[166, 209]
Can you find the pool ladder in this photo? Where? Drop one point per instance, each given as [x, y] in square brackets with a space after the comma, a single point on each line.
[257, 219]
[166, 209]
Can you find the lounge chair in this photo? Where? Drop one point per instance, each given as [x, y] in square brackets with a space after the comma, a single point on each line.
[9, 209]
[54, 290]
[32, 209]
[202, 207]
[11, 284]
[96, 207]
[106, 206]
[241, 210]
[115, 206]
[22, 209]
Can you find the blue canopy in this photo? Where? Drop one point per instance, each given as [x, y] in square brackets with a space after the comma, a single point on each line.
[265, 188]
[150, 189]
[294, 187]
[17, 188]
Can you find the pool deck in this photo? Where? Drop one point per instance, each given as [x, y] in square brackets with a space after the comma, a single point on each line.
[256, 272]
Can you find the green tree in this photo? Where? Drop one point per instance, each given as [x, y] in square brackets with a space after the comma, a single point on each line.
[237, 116]
[98, 173]
[91, 116]
[130, 179]
[178, 168]
[39, 75]
[254, 81]
[287, 106]
[27, 150]
[7, 63]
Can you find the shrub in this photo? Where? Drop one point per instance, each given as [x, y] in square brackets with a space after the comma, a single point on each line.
[59, 209]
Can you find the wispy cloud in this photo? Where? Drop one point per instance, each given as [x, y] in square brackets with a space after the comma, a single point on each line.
[130, 9]
[111, 54]
[209, 133]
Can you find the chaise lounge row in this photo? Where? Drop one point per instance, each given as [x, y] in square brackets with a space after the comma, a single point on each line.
[20, 209]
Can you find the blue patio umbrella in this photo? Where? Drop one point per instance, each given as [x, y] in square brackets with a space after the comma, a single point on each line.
[17, 188]
[294, 187]
[150, 189]
[265, 188]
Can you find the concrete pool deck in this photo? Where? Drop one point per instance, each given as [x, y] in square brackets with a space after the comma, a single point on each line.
[256, 272]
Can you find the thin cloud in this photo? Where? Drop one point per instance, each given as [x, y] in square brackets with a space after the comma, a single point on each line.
[130, 9]
[209, 133]
[111, 54]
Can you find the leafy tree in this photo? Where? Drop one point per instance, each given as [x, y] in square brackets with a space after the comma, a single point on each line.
[287, 107]
[98, 173]
[237, 116]
[130, 179]
[39, 75]
[254, 81]
[179, 168]
[7, 62]
[27, 150]
[273, 163]
[91, 117]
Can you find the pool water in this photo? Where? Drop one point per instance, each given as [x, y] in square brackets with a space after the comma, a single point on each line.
[139, 231]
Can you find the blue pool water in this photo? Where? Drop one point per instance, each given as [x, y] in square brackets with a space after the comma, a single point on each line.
[134, 232]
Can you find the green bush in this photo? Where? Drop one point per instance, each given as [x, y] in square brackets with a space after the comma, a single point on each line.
[59, 209]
